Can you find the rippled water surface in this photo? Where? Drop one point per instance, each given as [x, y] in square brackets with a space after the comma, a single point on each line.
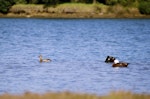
[78, 48]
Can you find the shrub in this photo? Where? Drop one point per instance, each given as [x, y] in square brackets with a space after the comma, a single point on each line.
[111, 2]
[144, 7]
[20, 1]
[5, 5]
[126, 2]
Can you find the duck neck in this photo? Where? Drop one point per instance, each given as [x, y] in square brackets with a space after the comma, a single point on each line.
[41, 59]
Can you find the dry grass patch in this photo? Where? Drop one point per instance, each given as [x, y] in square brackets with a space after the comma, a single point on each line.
[125, 95]
[29, 9]
[68, 95]
[61, 95]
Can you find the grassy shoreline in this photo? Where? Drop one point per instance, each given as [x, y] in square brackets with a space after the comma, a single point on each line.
[69, 95]
[73, 10]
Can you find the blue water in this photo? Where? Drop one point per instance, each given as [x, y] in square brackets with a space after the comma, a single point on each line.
[77, 48]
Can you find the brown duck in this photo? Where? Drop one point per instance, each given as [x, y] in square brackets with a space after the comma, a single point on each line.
[119, 64]
[43, 60]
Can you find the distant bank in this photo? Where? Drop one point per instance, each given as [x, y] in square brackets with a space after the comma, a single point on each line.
[73, 10]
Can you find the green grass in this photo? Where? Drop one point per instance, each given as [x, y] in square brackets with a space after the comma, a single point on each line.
[82, 8]
[68, 95]
[78, 7]
[74, 7]
[74, 10]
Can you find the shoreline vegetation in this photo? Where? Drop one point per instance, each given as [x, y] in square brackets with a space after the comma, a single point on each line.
[69, 95]
[73, 10]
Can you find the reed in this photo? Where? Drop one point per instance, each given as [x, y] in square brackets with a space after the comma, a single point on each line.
[69, 95]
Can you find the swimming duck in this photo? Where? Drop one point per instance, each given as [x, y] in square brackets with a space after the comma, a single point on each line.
[110, 59]
[119, 64]
[44, 60]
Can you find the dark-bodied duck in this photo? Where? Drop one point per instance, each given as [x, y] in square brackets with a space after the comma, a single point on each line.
[43, 60]
[109, 59]
[119, 64]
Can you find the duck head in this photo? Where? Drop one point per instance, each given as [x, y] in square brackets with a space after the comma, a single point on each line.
[109, 59]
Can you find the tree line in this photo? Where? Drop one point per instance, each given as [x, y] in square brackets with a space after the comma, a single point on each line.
[143, 5]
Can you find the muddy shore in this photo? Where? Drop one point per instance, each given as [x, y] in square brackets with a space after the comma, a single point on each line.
[63, 15]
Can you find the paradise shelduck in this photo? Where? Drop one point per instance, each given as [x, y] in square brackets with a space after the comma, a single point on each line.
[119, 64]
[110, 59]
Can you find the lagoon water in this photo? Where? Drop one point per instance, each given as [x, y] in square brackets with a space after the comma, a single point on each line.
[78, 48]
